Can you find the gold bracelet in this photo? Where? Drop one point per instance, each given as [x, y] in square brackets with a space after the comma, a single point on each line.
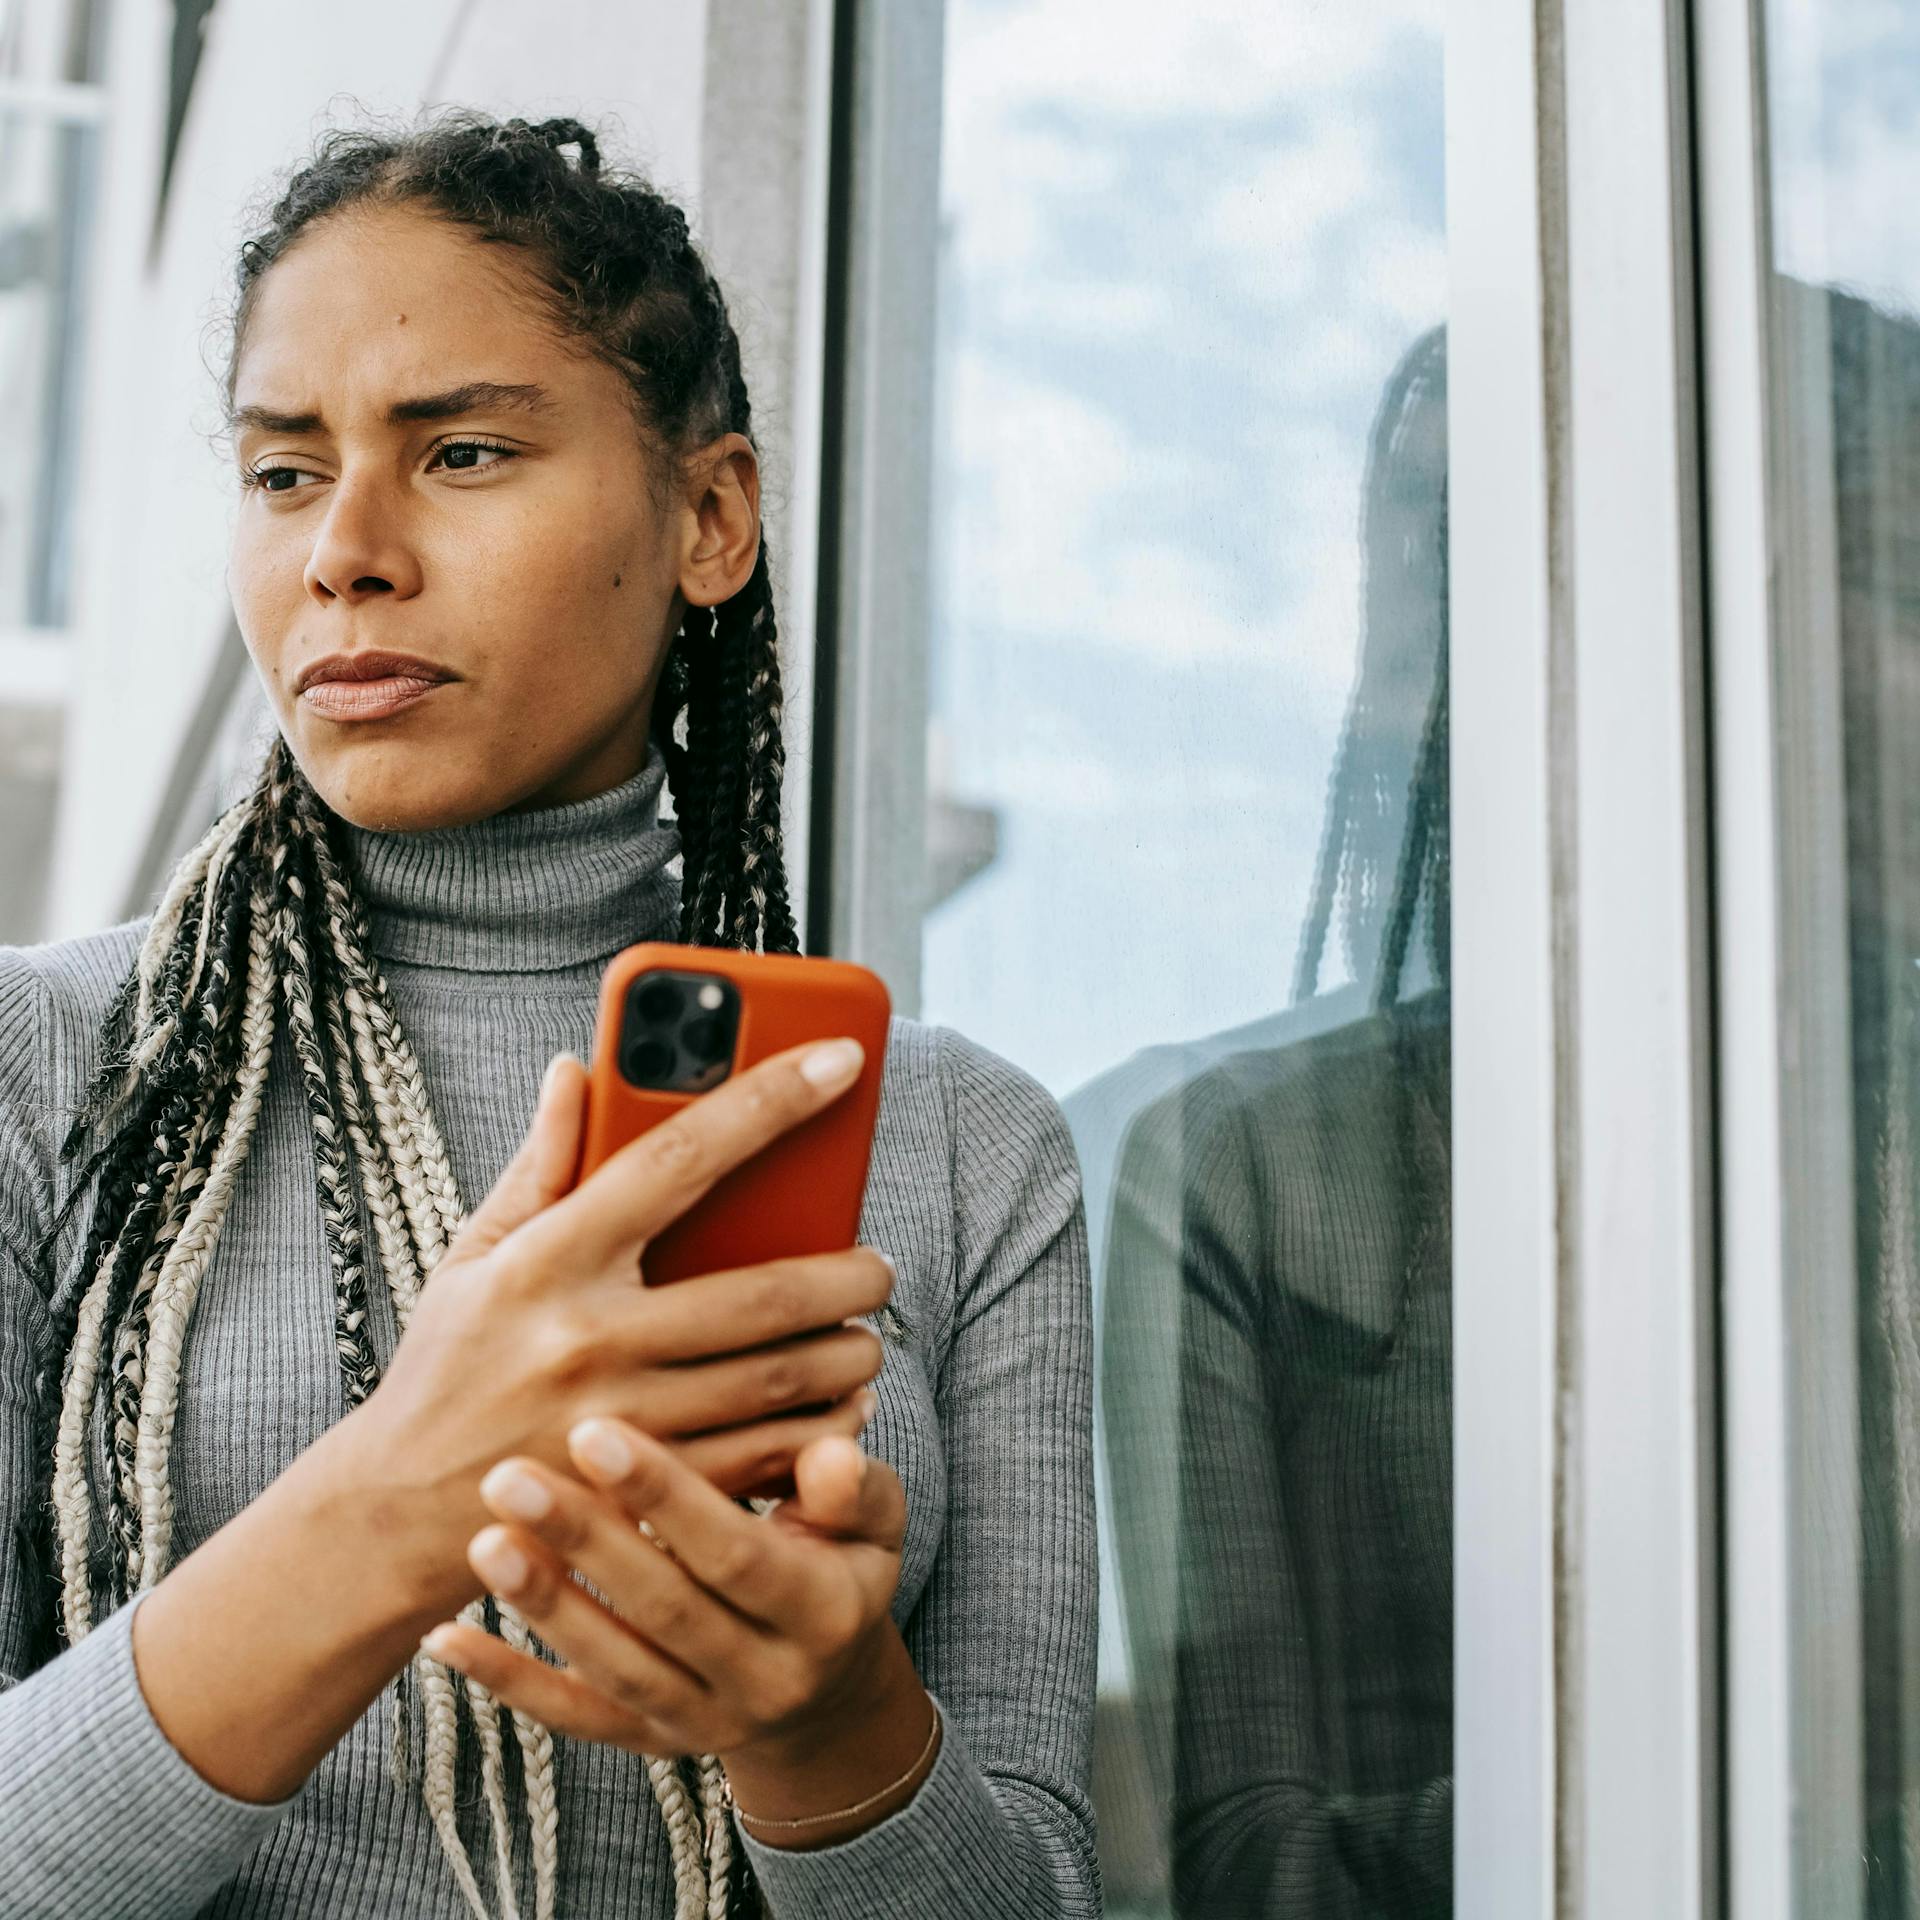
[844, 1813]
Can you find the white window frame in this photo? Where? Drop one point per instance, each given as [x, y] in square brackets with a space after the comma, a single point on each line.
[1587, 1624]
[1796, 1734]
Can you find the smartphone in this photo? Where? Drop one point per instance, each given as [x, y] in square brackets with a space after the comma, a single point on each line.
[675, 1022]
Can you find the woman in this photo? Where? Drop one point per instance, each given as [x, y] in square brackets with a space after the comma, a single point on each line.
[499, 538]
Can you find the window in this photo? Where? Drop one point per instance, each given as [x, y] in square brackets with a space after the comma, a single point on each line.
[1186, 861]
[50, 110]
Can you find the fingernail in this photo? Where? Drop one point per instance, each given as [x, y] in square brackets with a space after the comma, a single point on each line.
[499, 1562]
[832, 1063]
[869, 1404]
[439, 1643]
[603, 1447]
[514, 1490]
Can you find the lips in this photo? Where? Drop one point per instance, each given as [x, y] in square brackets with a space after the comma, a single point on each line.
[367, 699]
[368, 685]
[371, 663]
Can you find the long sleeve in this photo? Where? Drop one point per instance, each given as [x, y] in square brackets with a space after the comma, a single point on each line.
[101, 1813]
[1278, 1420]
[1268, 1829]
[1004, 1635]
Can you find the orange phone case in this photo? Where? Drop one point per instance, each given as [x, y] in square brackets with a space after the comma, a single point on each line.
[801, 1193]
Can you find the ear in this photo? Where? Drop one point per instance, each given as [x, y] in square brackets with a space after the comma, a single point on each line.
[721, 524]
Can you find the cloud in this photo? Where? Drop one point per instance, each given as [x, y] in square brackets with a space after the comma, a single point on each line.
[1846, 146]
[1148, 59]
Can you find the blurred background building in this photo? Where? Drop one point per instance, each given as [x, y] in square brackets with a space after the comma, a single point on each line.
[1347, 577]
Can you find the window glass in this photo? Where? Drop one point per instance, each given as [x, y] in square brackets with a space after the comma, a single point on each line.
[1845, 132]
[1187, 859]
[46, 170]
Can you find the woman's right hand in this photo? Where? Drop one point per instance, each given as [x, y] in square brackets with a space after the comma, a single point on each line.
[536, 1318]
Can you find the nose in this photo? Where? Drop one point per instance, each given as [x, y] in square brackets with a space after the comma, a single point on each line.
[361, 549]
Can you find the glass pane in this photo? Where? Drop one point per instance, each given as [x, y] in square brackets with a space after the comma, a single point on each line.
[46, 192]
[1188, 859]
[1845, 135]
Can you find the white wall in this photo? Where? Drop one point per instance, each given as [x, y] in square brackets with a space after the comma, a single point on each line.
[155, 498]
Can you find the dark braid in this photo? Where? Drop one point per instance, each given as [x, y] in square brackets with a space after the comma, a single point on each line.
[262, 931]
[1384, 847]
[212, 1054]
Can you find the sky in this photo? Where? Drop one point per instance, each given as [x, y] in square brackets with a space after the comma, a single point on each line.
[1184, 250]
[1844, 96]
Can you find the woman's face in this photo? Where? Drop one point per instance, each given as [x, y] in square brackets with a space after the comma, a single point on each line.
[436, 471]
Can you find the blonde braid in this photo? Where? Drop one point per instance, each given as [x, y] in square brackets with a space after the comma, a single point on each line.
[386, 1060]
[126, 1369]
[437, 1782]
[537, 1769]
[493, 1786]
[719, 1826]
[203, 863]
[187, 1263]
[72, 1495]
[683, 1838]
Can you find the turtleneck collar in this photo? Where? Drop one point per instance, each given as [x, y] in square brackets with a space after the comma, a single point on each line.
[526, 892]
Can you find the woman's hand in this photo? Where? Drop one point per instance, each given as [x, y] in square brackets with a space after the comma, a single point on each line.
[535, 1319]
[764, 1639]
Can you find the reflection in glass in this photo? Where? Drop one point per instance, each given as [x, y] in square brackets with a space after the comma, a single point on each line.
[1845, 136]
[1279, 1267]
[1186, 864]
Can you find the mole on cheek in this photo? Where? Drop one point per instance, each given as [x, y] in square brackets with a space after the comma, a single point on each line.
[616, 579]
[399, 319]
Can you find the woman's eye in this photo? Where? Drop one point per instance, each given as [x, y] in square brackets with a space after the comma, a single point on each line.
[460, 456]
[270, 479]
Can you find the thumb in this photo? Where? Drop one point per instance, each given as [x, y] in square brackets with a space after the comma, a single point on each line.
[543, 1169]
[840, 1490]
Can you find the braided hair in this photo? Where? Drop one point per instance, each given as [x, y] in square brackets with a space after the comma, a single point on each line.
[262, 923]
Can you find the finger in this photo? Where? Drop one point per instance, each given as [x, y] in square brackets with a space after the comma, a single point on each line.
[543, 1168]
[651, 1181]
[649, 1595]
[840, 1490]
[809, 1373]
[732, 1553]
[759, 1458]
[561, 1700]
[742, 1307]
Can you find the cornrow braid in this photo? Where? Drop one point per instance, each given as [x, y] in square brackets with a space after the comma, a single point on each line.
[262, 930]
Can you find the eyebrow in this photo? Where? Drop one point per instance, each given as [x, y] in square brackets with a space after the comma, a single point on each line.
[477, 396]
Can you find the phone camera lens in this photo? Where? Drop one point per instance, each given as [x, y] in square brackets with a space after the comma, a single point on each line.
[649, 1062]
[704, 1037]
[658, 1002]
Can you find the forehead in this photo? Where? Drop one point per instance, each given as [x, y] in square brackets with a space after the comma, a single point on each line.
[367, 304]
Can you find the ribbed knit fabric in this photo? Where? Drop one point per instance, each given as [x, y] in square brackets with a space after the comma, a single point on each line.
[493, 938]
[1278, 1411]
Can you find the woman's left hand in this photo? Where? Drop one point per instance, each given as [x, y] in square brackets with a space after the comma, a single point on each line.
[727, 1632]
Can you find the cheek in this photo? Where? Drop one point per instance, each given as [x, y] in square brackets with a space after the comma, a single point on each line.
[551, 600]
[266, 585]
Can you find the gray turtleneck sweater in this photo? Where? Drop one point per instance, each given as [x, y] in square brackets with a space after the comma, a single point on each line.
[493, 938]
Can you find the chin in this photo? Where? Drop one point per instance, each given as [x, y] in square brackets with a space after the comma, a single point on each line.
[405, 790]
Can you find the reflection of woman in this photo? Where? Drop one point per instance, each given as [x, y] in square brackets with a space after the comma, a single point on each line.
[488, 409]
[1864, 364]
[1288, 1210]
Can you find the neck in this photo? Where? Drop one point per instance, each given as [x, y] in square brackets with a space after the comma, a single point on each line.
[529, 891]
